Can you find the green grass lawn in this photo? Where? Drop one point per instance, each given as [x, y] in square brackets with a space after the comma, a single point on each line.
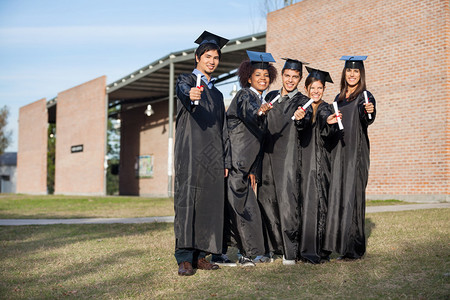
[67, 207]
[408, 257]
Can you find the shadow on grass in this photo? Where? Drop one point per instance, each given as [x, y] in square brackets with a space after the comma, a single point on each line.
[53, 261]
[407, 257]
[48, 237]
[369, 226]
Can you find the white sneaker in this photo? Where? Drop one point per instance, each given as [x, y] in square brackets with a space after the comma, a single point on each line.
[288, 262]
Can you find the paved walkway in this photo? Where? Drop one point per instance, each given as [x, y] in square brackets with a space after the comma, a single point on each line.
[169, 219]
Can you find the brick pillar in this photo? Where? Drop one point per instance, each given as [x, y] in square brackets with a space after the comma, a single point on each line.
[32, 149]
[81, 117]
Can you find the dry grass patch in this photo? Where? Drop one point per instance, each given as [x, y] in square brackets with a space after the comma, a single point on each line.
[408, 258]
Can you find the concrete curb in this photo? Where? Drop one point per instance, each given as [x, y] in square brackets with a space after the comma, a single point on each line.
[19, 222]
[169, 219]
[386, 208]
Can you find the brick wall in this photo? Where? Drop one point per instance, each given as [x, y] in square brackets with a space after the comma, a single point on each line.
[81, 120]
[144, 135]
[32, 149]
[407, 70]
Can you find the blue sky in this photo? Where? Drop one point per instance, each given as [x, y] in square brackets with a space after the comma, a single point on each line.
[49, 46]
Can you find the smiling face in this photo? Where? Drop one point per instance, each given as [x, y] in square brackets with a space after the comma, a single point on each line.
[259, 80]
[291, 79]
[208, 62]
[352, 76]
[315, 90]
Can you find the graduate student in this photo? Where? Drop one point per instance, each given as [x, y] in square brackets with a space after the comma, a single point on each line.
[279, 190]
[350, 164]
[246, 128]
[314, 171]
[202, 160]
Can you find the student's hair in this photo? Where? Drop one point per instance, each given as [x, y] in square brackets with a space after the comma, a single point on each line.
[205, 48]
[310, 80]
[359, 89]
[299, 71]
[246, 70]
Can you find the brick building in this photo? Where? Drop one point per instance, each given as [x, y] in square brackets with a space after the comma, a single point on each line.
[407, 70]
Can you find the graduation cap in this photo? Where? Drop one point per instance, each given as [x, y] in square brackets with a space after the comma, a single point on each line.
[319, 74]
[208, 37]
[354, 62]
[293, 64]
[260, 60]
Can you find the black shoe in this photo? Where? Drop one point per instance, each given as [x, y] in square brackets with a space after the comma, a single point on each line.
[222, 260]
[246, 262]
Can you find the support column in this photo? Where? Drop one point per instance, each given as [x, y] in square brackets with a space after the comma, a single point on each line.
[170, 144]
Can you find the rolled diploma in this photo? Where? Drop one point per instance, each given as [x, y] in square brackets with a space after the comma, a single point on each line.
[271, 103]
[199, 81]
[367, 101]
[341, 127]
[304, 107]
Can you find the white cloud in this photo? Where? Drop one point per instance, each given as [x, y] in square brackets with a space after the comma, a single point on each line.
[67, 35]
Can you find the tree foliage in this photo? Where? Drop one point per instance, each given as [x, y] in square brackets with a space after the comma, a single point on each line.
[5, 135]
[51, 147]
[113, 153]
[270, 5]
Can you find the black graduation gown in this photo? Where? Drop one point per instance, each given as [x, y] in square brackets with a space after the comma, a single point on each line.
[201, 154]
[278, 195]
[246, 131]
[314, 173]
[349, 175]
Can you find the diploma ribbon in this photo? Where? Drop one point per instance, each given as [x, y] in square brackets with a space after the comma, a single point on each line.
[304, 107]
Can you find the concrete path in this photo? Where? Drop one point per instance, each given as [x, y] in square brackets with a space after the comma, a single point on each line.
[384, 208]
[18, 222]
[15, 222]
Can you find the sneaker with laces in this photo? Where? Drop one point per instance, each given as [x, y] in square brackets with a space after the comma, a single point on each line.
[263, 259]
[246, 262]
[222, 260]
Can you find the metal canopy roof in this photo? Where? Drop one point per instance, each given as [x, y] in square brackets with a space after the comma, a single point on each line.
[151, 82]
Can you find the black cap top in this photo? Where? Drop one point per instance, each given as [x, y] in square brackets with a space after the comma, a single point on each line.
[293, 64]
[319, 74]
[208, 37]
[260, 60]
[354, 62]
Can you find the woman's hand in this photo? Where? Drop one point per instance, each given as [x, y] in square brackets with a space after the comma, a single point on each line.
[370, 108]
[264, 109]
[252, 180]
[332, 119]
[299, 114]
